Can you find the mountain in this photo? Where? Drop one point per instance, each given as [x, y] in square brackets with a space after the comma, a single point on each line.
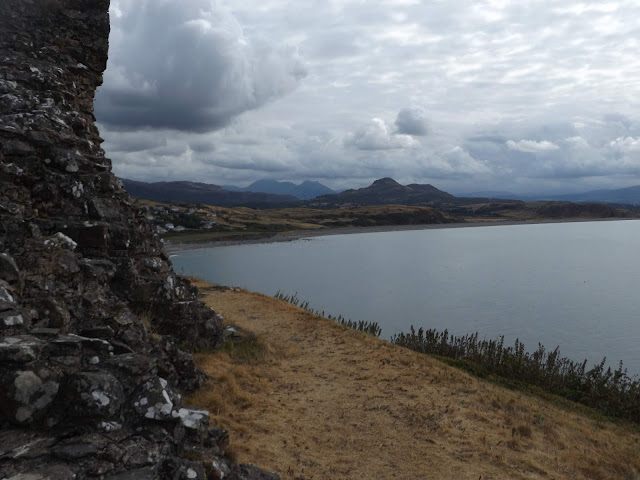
[490, 194]
[193, 192]
[388, 191]
[629, 195]
[307, 190]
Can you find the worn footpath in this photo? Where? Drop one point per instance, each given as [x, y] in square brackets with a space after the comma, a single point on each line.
[313, 399]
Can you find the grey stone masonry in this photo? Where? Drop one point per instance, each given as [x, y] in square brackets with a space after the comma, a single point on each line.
[87, 390]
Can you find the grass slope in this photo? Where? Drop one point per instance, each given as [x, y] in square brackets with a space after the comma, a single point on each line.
[245, 223]
[312, 399]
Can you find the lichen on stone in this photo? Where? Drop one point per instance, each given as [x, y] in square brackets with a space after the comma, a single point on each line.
[79, 269]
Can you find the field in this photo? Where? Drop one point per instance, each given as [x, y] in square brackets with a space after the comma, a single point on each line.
[312, 399]
[243, 223]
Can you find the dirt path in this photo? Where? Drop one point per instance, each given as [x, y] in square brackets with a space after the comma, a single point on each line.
[316, 400]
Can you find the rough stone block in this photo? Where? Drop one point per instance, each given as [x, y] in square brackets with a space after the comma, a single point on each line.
[8, 269]
[8, 298]
[11, 318]
[94, 395]
[20, 349]
[26, 395]
[69, 345]
[146, 473]
[60, 240]
[155, 400]
[192, 419]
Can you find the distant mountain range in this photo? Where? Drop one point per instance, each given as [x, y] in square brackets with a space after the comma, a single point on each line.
[628, 196]
[307, 190]
[193, 192]
[381, 192]
[491, 194]
[387, 191]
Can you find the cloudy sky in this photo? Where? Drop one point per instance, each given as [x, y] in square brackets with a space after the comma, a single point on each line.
[468, 95]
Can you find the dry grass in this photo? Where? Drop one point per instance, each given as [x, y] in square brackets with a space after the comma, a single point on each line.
[244, 223]
[313, 399]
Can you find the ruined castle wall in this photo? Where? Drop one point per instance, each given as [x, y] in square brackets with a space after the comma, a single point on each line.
[91, 312]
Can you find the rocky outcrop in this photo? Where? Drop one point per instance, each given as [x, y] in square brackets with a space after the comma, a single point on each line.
[93, 320]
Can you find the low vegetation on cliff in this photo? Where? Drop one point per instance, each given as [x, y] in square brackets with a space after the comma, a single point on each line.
[612, 392]
[313, 399]
[371, 328]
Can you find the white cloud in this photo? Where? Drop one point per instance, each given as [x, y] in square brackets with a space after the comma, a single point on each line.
[532, 146]
[626, 145]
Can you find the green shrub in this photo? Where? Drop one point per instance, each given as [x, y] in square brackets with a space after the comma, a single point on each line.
[612, 392]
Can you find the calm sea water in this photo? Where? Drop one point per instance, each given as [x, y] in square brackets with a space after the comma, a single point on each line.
[573, 285]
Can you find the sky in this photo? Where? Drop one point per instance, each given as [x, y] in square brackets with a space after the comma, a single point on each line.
[525, 96]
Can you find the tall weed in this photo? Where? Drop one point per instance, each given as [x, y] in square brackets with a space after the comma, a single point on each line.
[371, 328]
[613, 392]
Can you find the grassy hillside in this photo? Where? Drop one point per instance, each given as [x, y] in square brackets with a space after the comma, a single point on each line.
[245, 223]
[312, 399]
[202, 223]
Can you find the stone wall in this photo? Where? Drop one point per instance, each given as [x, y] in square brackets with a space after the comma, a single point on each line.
[91, 312]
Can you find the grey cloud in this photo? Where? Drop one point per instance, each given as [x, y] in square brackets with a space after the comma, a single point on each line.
[138, 142]
[332, 44]
[175, 150]
[412, 121]
[188, 66]
[486, 138]
[255, 163]
[597, 148]
[202, 146]
[614, 118]
[376, 135]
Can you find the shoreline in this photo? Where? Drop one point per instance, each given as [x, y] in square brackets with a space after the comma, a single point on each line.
[173, 248]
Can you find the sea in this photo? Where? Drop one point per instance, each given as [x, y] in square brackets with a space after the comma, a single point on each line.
[575, 285]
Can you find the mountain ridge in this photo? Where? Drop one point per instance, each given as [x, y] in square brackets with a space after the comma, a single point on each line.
[624, 196]
[307, 190]
[627, 195]
[388, 191]
[196, 192]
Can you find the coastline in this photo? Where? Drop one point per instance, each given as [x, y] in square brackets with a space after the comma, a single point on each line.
[172, 248]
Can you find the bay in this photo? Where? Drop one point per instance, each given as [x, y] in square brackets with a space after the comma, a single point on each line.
[572, 285]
